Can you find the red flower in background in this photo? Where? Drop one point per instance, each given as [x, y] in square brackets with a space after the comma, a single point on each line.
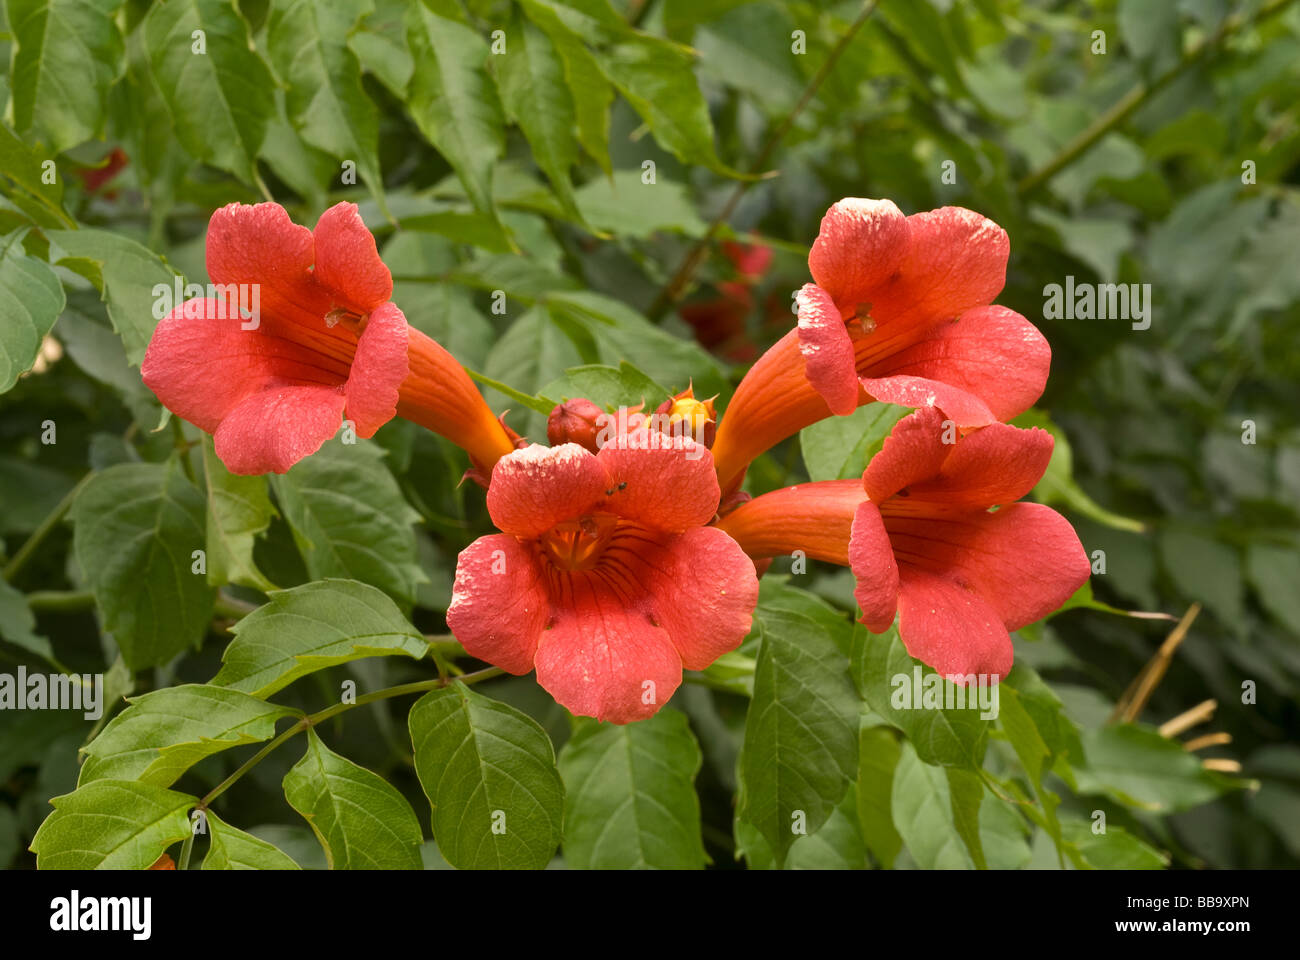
[719, 322]
[922, 541]
[605, 578]
[326, 341]
[899, 313]
[93, 178]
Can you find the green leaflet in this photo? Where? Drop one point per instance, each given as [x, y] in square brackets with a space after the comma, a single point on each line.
[489, 773]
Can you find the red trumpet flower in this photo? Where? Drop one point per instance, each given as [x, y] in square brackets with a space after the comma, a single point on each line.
[322, 339]
[899, 313]
[922, 541]
[605, 579]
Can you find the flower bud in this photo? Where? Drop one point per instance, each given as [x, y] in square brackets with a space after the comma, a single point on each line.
[684, 416]
[575, 421]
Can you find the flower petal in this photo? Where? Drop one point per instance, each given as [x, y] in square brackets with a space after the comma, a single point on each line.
[605, 661]
[704, 592]
[816, 518]
[665, 482]
[993, 465]
[274, 428]
[378, 369]
[965, 409]
[860, 244]
[914, 450]
[955, 259]
[949, 626]
[202, 364]
[499, 606]
[991, 354]
[827, 349]
[347, 260]
[260, 245]
[871, 557]
[535, 488]
[1024, 560]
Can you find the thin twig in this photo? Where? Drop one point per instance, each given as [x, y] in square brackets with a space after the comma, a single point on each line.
[673, 290]
[1139, 94]
[1144, 684]
[56, 515]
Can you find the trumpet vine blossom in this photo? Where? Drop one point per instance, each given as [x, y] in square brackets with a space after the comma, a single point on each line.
[326, 341]
[605, 577]
[923, 540]
[899, 311]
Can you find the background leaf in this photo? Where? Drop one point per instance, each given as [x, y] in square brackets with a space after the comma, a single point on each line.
[359, 818]
[489, 773]
[136, 527]
[630, 796]
[312, 627]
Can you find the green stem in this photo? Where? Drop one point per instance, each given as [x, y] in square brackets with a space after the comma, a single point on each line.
[673, 290]
[56, 515]
[1139, 94]
[231, 608]
[311, 720]
[186, 849]
[61, 601]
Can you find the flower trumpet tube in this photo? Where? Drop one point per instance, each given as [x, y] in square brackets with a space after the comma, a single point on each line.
[924, 543]
[297, 332]
[605, 577]
[899, 312]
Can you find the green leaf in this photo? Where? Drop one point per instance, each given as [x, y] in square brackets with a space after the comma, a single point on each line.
[878, 753]
[630, 796]
[453, 102]
[111, 825]
[309, 628]
[607, 387]
[135, 529]
[382, 48]
[887, 678]
[1004, 834]
[592, 93]
[839, 448]
[350, 520]
[801, 733]
[965, 794]
[25, 166]
[1138, 767]
[232, 849]
[66, 55]
[308, 46]
[489, 773]
[1058, 487]
[837, 845]
[657, 77]
[1274, 572]
[624, 206]
[220, 100]
[923, 809]
[360, 819]
[164, 733]
[529, 355]
[929, 36]
[126, 275]
[1115, 849]
[18, 625]
[618, 331]
[535, 94]
[239, 508]
[1205, 569]
[31, 299]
